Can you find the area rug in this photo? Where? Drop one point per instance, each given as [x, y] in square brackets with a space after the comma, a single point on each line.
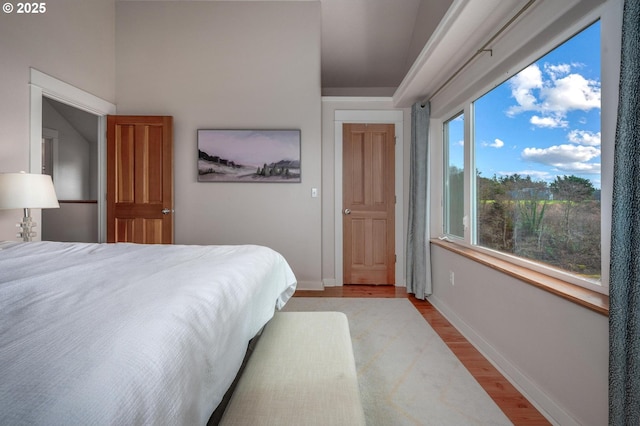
[407, 375]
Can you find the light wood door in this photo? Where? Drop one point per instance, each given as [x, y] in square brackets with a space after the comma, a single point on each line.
[140, 179]
[368, 203]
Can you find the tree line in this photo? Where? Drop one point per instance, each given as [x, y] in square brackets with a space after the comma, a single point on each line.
[557, 223]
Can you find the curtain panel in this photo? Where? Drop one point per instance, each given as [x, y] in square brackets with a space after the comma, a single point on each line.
[418, 267]
[624, 286]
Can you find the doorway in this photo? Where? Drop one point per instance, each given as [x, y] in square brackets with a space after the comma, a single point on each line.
[395, 117]
[43, 89]
[70, 157]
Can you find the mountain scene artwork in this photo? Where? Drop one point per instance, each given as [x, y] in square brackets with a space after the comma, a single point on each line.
[249, 156]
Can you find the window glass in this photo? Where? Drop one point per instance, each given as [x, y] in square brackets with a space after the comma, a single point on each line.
[537, 158]
[454, 176]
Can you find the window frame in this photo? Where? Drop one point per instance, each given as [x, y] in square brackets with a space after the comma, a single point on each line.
[446, 180]
[444, 110]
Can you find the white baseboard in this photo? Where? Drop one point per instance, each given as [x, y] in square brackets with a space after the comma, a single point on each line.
[310, 285]
[329, 282]
[547, 407]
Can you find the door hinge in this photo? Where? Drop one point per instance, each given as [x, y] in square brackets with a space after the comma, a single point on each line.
[395, 258]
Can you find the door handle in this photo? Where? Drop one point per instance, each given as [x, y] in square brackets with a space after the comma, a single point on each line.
[167, 211]
[347, 211]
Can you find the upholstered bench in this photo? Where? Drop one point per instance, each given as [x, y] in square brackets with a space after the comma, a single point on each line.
[302, 372]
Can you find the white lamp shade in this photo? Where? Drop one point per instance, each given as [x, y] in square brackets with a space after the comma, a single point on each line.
[27, 191]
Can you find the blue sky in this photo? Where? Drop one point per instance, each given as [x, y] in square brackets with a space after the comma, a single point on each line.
[544, 121]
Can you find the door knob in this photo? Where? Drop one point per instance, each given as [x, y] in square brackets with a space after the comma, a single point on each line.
[347, 211]
[166, 211]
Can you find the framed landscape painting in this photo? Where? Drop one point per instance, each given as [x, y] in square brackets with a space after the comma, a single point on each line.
[249, 156]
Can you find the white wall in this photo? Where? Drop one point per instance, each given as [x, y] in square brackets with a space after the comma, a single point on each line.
[74, 42]
[231, 65]
[553, 350]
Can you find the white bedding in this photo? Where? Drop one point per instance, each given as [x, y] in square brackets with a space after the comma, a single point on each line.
[129, 334]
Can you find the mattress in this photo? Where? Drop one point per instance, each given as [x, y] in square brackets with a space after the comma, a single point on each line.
[128, 333]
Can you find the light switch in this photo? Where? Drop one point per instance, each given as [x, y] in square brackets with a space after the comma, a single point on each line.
[314, 192]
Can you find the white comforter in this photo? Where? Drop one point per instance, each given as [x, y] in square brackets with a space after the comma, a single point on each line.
[129, 334]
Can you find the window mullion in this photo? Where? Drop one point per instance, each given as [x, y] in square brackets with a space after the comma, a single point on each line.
[469, 178]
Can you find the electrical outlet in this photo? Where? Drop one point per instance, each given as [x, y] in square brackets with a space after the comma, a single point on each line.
[452, 277]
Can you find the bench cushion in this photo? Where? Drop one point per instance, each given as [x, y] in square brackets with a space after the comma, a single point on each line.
[302, 372]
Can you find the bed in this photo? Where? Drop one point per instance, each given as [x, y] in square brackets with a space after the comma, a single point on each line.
[128, 333]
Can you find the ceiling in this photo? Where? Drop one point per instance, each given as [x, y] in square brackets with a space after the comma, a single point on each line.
[83, 122]
[369, 45]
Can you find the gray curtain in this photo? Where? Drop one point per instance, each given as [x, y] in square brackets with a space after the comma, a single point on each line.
[624, 292]
[418, 256]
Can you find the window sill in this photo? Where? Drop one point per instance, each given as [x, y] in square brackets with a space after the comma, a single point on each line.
[582, 296]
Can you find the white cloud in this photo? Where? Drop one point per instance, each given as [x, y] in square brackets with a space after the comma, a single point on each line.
[565, 158]
[558, 154]
[551, 122]
[553, 93]
[557, 70]
[573, 92]
[584, 137]
[497, 143]
[581, 168]
[522, 85]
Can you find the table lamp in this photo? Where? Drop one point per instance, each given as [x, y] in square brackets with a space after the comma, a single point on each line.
[27, 191]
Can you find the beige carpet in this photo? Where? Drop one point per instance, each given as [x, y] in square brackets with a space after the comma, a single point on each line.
[406, 373]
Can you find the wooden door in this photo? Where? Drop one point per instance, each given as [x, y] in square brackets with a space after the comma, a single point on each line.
[368, 203]
[140, 179]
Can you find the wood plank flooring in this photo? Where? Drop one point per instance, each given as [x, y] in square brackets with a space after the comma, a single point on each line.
[515, 406]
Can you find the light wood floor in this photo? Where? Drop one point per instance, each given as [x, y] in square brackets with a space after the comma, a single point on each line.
[511, 402]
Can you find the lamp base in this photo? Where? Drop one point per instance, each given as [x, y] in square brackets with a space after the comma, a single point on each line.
[26, 227]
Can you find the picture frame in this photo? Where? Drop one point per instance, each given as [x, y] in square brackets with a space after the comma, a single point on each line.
[262, 156]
